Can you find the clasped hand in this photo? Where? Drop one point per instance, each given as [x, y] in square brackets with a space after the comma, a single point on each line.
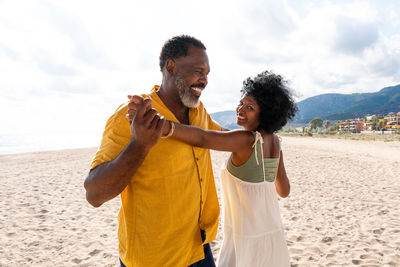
[146, 123]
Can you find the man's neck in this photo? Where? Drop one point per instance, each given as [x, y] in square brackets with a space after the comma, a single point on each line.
[173, 103]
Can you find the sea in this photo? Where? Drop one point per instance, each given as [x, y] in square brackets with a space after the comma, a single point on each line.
[29, 142]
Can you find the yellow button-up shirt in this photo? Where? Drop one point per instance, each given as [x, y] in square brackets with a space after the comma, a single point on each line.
[169, 199]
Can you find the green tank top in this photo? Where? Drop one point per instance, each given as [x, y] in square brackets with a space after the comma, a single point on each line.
[252, 170]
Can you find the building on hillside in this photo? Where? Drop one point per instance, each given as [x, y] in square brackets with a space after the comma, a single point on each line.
[353, 126]
[374, 122]
[390, 121]
[393, 120]
[343, 126]
[368, 123]
[356, 125]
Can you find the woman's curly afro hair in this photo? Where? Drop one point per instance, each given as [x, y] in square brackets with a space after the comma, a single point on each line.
[276, 103]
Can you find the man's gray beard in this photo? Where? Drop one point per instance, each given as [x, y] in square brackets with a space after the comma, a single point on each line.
[184, 93]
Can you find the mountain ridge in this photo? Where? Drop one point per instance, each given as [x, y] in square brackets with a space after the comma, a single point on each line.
[346, 106]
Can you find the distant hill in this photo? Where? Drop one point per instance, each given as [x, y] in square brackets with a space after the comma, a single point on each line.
[226, 119]
[342, 106]
[333, 107]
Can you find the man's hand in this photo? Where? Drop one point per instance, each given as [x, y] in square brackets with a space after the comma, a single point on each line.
[146, 124]
[134, 101]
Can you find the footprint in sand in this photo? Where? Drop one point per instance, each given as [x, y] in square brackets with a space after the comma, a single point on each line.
[327, 239]
[383, 212]
[107, 255]
[89, 244]
[94, 252]
[76, 261]
[34, 244]
[378, 231]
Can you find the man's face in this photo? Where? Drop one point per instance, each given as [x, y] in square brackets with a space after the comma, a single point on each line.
[191, 76]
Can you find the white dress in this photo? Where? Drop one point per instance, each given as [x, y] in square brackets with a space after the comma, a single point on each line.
[253, 231]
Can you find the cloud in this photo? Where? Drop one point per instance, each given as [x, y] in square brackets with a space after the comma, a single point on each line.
[384, 58]
[8, 52]
[353, 37]
[61, 21]
[258, 28]
[333, 80]
[269, 18]
[394, 18]
[50, 65]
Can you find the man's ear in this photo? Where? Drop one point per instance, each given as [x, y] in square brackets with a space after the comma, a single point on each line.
[170, 66]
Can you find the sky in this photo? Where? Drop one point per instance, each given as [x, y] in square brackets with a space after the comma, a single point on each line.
[65, 66]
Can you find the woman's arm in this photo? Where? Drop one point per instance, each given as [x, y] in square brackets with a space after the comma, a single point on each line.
[282, 184]
[226, 140]
[233, 141]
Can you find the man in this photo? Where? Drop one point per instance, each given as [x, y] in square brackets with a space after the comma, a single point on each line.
[170, 209]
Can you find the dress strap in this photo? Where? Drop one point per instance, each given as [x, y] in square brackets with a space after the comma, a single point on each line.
[258, 137]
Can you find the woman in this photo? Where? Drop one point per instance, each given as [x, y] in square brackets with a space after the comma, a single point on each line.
[253, 231]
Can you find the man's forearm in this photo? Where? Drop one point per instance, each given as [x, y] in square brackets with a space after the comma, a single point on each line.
[109, 179]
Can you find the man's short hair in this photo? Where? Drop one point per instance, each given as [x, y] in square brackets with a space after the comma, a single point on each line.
[177, 47]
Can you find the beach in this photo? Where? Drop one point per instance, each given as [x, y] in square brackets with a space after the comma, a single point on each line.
[343, 209]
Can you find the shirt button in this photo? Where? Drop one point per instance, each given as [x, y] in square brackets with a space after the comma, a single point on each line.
[197, 158]
[201, 180]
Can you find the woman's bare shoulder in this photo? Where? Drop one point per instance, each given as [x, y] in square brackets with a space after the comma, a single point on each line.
[277, 142]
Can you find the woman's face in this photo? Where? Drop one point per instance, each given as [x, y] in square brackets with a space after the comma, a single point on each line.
[248, 113]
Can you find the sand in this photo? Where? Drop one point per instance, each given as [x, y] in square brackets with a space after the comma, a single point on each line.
[343, 209]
